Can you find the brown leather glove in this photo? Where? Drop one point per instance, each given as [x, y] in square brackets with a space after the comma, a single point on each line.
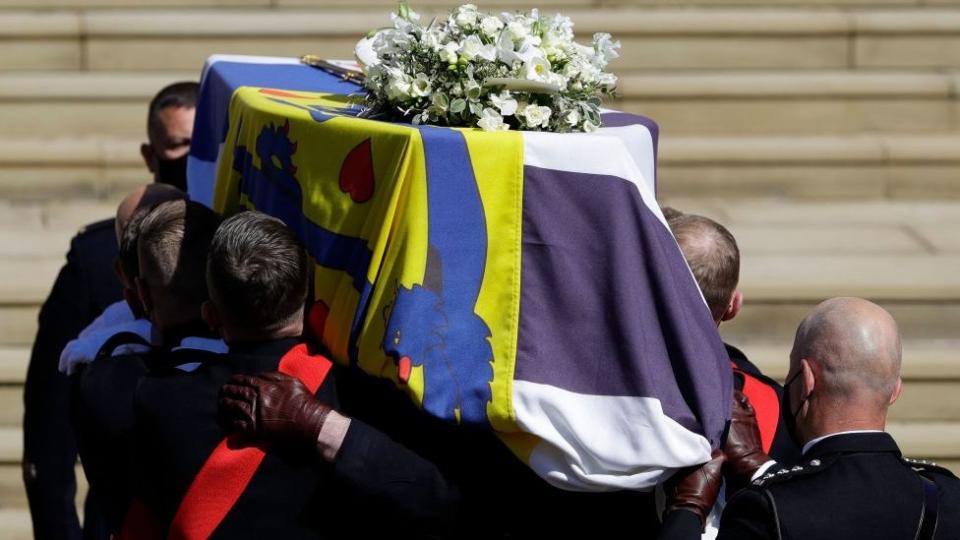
[696, 488]
[273, 408]
[743, 449]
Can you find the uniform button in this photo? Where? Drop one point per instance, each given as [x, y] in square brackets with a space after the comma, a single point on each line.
[814, 462]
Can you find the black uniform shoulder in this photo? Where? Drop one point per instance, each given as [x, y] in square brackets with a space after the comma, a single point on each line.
[928, 468]
[778, 475]
[97, 228]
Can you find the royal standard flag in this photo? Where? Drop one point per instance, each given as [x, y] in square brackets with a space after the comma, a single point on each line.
[522, 281]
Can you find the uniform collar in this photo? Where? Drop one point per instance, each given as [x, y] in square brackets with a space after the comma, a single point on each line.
[272, 348]
[848, 442]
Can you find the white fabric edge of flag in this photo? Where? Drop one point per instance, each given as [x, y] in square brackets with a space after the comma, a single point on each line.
[603, 443]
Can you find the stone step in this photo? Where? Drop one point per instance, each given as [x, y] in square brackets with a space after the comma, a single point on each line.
[488, 5]
[661, 38]
[69, 105]
[819, 167]
[793, 103]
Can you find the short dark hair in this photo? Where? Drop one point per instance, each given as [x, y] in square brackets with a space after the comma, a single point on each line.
[127, 252]
[178, 94]
[713, 256]
[257, 273]
[172, 246]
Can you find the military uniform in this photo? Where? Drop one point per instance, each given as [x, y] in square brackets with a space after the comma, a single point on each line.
[85, 286]
[369, 486]
[852, 486]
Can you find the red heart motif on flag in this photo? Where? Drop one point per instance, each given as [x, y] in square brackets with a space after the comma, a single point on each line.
[317, 318]
[356, 173]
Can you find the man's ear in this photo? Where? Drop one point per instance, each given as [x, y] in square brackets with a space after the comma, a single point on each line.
[809, 377]
[896, 391]
[144, 293]
[209, 314]
[149, 157]
[736, 302]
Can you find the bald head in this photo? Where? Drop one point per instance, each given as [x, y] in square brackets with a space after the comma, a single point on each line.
[144, 196]
[856, 343]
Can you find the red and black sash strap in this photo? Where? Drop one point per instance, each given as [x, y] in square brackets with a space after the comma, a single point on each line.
[227, 472]
[765, 404]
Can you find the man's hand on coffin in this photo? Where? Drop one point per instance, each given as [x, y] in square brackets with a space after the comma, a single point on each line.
[273, 408]
[695, 489]
[743, 449]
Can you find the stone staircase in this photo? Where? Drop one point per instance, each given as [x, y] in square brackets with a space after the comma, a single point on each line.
[825, 133]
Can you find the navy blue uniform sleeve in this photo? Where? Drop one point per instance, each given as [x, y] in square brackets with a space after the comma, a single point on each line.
[49, 446]
[83, 288]
[748, 516]
[680, 524]
[416, 492]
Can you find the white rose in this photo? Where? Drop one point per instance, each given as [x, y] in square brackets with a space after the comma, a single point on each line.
[490, 26]
[589, 127]
[398, 87]
[466, 18]
[536, 116]
[421, 86]
[505, 102]
[572, 117]
[491, 120]
[517, 30]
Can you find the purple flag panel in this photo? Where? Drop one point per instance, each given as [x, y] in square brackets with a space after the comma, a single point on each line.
[608, 304]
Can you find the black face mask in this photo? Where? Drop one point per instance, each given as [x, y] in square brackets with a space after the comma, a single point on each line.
[790, 416]
[173, 172]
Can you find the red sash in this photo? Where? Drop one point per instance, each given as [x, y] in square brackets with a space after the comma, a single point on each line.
[765, 404]
[228, 471]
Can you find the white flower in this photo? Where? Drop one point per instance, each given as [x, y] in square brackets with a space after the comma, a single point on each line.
[432, 40]
[474, 48]
[517, 30]
[536, 116]
[536, 69]
[440, 101]
[490, 120]
[572, 118]
[421, 86]
[399, 86]
[505, 102]
[449, 52]
[606, 49]
[589, 127]
[466, 15]
[490, 26]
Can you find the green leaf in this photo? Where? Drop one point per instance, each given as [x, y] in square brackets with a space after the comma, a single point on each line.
[458, 105]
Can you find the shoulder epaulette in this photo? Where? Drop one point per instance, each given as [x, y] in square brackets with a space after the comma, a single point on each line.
[807, 467]
[921, 465]
[96, 226]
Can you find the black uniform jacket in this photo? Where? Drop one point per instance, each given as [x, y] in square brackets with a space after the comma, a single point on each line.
[103, 418]
[292, 495]
[85, 286]
[847, 487]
